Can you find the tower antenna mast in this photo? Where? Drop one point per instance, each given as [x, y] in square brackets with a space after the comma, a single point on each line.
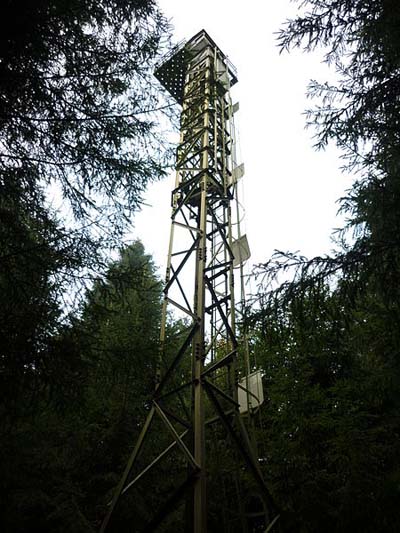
[197, 387]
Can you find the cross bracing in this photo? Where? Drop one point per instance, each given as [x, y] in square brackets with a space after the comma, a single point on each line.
[196, 393]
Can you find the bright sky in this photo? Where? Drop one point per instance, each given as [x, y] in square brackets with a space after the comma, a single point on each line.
[289, 189]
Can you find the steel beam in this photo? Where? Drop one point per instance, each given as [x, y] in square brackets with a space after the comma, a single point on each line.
[199, 283]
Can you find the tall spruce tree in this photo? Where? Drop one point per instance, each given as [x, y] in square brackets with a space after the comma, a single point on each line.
[60, 465]
[76, 100]
[78, 144]
[329, 336]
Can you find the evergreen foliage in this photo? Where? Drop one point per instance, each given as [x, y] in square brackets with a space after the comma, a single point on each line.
[77, 124]
[61, 462]
[76, 105]
[329, 335]
[75, 97]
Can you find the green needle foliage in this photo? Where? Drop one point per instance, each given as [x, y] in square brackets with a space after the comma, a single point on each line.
[80, 139]
[60, 463]
[328, 337]
[76, 96]
[78, 130]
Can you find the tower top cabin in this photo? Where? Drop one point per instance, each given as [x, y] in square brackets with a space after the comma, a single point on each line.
[171, 72]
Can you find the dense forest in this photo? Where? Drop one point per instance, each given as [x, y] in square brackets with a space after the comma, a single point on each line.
[80, 312]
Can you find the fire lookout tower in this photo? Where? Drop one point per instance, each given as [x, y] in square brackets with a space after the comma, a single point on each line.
[201, 392]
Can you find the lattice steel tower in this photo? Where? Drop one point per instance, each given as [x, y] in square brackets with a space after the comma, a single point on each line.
[196, 393]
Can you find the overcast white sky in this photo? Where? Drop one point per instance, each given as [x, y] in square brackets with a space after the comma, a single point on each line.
[290, 190]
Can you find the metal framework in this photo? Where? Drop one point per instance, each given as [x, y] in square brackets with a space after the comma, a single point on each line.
[197, 384]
